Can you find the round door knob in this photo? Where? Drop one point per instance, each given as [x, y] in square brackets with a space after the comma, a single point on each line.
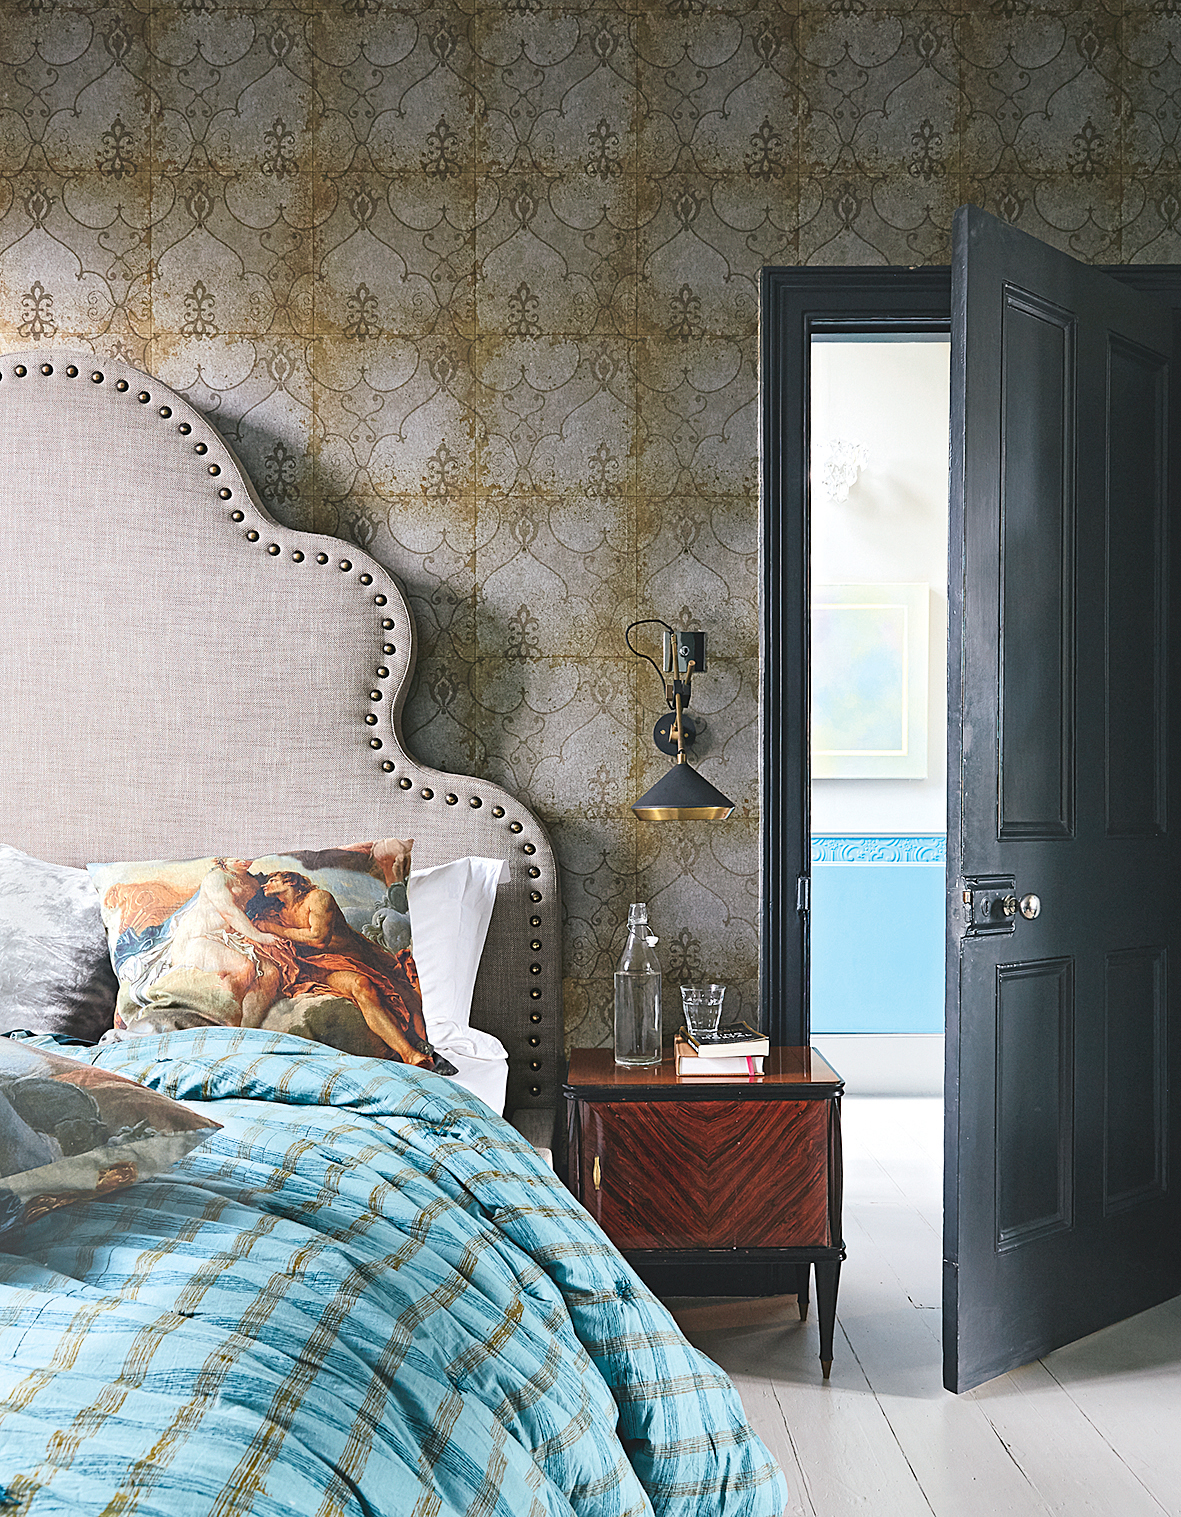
[1030, 906]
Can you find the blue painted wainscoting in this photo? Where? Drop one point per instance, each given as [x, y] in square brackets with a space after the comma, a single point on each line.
[878, 908]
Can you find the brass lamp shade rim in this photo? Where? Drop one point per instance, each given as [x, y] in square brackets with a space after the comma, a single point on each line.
[681, 813]
[683, 795]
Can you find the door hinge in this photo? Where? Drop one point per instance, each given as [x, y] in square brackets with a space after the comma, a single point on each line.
[804, 893]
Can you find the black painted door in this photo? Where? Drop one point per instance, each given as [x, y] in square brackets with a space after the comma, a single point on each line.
[1060, 1207]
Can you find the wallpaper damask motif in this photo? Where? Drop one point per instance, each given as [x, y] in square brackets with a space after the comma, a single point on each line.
[475, 286]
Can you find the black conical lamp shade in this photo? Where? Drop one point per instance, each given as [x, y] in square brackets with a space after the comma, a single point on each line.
[683, 795]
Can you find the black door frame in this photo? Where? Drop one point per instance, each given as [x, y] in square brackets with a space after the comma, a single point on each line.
[794, 304]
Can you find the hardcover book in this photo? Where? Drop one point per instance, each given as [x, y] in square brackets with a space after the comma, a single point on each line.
[732, 1040]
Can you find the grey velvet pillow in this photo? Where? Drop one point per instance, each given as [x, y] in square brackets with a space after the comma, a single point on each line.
[55, 966]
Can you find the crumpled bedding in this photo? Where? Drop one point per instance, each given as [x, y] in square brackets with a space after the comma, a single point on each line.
[365, 1295]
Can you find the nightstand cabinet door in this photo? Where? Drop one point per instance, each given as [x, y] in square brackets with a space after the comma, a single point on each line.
[706, 1174]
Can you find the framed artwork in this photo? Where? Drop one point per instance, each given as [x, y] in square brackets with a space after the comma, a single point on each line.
[869, 681]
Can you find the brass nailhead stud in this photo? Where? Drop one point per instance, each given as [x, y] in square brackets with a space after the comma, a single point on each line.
[184, 429]
[72, 371]
[252, 537]
[535, 1090]
[534, 1063]
[428, 794]
[165, 412]
[534, 872]
[97, 377]
[47, 368]
[375, 742]
[529, 848]
[321, 558]
[388, 648]
[535, 921]
[404, 782]
[535, 895]
[375, 695]
[367, 579]
[382, 672]
[370, 719]
[451, 799]
[536, 945]
[379, 600]
[514, 826]
[535, 1042]
[200, 447]
[120, 384]
[20, 371]
[224, 493]
[143, 397]
[297, 556]
[345, 564]
[215, 468]
[388, 765]
[535, 969]
[273, 548]
[387, 623]
[475, 803]
[237, 515]
[498, 811]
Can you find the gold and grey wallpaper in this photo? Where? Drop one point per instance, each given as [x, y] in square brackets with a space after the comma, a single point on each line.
[474, 285]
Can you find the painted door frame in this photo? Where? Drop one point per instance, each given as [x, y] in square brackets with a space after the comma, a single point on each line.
[794, 304]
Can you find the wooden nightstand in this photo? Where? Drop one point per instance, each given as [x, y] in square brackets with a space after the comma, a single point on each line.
[726, 1186]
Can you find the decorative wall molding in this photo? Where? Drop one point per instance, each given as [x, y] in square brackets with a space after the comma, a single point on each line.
[892, 848]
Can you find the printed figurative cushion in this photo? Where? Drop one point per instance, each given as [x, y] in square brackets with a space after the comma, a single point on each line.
[55, 969]
[70, 1132]
[312, 942]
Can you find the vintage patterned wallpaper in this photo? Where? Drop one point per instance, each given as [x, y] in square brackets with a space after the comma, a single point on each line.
[475, 286]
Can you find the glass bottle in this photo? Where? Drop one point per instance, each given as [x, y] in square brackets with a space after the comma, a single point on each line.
[637, 995]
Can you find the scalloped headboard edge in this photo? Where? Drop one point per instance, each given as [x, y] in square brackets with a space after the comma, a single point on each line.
[182, 675]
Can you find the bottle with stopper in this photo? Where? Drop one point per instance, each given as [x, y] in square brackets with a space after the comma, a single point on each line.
[637, 995]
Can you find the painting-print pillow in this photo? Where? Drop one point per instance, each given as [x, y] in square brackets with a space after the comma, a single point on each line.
[70, 1132]
[314, 942]
[55, 971]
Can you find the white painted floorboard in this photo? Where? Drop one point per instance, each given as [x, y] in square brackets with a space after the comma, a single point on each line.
[1093, 1430]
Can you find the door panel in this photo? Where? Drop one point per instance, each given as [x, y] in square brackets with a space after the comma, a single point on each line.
[1037, 532]
[1134, 534]
[1035, 1100]
[1060, 1215]
[1135, 1094]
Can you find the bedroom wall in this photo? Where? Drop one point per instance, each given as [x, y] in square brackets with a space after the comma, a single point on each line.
[476, 287]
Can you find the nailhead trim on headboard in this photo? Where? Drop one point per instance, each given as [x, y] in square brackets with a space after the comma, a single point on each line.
[217, 462]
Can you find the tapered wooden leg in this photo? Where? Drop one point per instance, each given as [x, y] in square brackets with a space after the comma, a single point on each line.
[802, 1273]
[828, 1277]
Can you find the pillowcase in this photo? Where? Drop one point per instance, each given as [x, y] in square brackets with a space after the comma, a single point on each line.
[450, 909]
[55, 970]
[313, 942]
[69, 1132]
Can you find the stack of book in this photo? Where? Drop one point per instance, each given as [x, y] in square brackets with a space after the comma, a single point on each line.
[736, 1049]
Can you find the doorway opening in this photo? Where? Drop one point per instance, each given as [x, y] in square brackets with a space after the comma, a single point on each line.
[878, 524]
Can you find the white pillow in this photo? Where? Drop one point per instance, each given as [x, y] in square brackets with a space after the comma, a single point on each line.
[450, 908]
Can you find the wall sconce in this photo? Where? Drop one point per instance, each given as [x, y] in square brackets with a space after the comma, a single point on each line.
[681, 795]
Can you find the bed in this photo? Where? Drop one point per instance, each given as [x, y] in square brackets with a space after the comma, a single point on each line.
[366, 1291]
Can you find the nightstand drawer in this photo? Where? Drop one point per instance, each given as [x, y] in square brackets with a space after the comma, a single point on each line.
[706, 1174]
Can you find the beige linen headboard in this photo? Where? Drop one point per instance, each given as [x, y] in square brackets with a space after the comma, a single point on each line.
[182, 676]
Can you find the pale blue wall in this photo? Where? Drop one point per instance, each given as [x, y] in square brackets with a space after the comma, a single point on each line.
[878, 908]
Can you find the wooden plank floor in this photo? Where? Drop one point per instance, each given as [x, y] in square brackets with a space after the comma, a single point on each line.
[1093, 1430]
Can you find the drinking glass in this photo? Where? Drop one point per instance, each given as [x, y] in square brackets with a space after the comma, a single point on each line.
[703, 1008]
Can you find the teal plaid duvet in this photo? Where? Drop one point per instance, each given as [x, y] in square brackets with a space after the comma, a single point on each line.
[365, 1295]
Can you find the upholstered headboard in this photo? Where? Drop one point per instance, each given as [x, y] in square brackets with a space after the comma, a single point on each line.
[181, 676]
